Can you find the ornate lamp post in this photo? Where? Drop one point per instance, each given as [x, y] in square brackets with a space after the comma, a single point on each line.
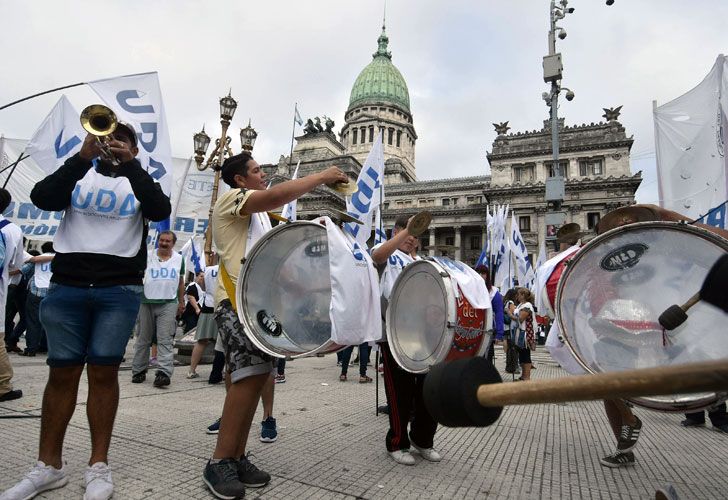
[222, 150]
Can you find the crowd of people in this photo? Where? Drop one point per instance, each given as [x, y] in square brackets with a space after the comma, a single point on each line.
[80, 300]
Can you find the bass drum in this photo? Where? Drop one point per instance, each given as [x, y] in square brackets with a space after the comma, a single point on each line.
[285, 295]
[429, 320]
[615, 288]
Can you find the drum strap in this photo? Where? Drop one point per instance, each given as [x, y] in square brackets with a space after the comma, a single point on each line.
[229, 287]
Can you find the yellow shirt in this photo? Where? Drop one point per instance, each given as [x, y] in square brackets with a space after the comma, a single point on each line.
[230, 234]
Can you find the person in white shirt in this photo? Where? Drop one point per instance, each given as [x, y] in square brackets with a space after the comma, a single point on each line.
[403, 389]
[163, 301]
[35, 335]
[12, 241]
[206, 327]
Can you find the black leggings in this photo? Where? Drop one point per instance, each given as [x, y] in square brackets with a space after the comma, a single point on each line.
[524, 355]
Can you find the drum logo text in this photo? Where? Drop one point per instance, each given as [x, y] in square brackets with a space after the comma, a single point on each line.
[317, 248]
[623, 257]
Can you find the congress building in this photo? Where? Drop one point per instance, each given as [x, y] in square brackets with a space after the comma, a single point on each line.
[594, 159]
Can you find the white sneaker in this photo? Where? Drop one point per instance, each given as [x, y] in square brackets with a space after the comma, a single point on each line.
[403, 457]
[99, 485]
[428, 454]
[41, 478]
[193, 375]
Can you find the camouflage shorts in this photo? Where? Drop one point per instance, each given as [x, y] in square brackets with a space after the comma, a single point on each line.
[242, 357]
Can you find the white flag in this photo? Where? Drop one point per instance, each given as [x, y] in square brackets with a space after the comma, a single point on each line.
[289, 209]
[59, 137]
[193, 256]
[524, 271]
[137, 99]
[369, 194]
[297, 116]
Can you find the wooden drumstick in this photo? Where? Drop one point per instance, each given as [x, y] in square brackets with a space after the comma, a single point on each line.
[675, 315]
[470, 392]
[660, 381]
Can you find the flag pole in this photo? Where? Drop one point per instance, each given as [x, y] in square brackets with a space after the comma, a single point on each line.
[13, 167]
[293, 133]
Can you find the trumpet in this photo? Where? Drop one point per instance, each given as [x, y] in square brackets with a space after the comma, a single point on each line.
[101, 121]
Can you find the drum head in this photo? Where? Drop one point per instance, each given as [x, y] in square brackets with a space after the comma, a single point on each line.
[285, 295]
[615, 288]
[419, 310]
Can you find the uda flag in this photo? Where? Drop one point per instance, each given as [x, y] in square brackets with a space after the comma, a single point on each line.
[369, 194]
[137, 99]
[59, 137]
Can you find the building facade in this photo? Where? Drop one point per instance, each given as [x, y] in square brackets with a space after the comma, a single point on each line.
[594, 160]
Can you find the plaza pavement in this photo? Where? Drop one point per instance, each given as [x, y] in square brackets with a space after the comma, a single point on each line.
[331, 445]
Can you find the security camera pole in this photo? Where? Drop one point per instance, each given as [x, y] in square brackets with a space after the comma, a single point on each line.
[552, 72]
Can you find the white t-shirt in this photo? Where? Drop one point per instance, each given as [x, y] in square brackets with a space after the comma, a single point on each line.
[210, 285]
[393, 268]
[42, 274]
[14, 258]
[101, 205]
[161, 279]
[532, 319]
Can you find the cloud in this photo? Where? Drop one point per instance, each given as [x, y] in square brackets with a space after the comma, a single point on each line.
[468, 64]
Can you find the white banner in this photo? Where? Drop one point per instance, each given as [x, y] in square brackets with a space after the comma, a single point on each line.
[191, 196]
[59, 137]
[369, 195]
[137, 99]
[690, 140]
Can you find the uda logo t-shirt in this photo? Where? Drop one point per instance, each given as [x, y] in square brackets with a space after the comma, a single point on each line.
[104, 217]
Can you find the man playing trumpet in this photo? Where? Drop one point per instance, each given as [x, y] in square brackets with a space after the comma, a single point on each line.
[94, 297]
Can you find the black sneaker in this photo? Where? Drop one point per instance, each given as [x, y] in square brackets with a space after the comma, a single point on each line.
[689, 422]
[161, 380]
[222, 479]
[628, 436]
[618, 459]
[12, 395]
[250, 475]
[138, 378]
[214, 428]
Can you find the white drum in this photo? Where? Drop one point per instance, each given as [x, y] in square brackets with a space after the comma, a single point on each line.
[429, 321]
[612, 292]
[284, 292]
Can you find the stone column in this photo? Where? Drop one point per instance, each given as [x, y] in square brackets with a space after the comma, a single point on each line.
[431, 249]
[458, 245]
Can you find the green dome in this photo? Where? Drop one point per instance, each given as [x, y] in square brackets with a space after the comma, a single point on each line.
[380, 80]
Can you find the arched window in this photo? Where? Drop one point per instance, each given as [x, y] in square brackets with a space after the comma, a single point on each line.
[399, 138]
[353, 136]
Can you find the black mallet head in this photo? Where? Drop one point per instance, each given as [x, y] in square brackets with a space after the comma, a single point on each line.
[672, 317]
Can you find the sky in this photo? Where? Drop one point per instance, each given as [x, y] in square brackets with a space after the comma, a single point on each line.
[467, 65]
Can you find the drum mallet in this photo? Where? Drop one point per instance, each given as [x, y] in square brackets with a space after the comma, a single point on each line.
[676, 315]
[469, 392]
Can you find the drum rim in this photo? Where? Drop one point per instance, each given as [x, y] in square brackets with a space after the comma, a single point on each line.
[450, 313]
[241, 302]
[645, 402]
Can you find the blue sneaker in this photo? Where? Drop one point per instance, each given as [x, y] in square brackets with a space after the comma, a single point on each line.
[214, 428]
[268, 431]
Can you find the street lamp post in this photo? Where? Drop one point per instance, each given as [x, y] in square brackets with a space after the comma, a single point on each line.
[222, 150]
[552, 73]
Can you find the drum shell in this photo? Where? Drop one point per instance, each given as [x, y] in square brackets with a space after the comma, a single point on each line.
[466, 331]
[264, 264]
[639, 270]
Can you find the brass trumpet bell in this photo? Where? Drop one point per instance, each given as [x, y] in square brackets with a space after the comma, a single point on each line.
[98, 120]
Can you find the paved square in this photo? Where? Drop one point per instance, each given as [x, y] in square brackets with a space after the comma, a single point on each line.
[331, 444]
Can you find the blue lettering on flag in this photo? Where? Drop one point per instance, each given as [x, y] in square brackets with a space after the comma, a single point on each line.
[158, 169]
[65, 148]
[123, 98]
[149, 128]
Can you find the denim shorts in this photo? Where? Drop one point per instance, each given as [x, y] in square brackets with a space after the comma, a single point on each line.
[89, 325]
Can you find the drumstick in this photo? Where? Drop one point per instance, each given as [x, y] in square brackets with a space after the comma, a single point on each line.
[470, 392]
[675, 315]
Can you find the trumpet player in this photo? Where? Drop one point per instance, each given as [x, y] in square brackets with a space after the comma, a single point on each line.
[93, 299]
